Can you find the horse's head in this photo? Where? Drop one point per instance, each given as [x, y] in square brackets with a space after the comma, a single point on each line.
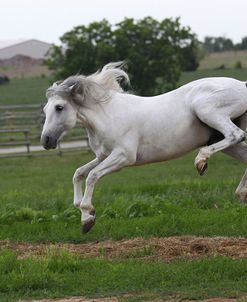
[68, 100]
[60, 114]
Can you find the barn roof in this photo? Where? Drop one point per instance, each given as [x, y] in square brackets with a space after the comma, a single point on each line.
[32, 48]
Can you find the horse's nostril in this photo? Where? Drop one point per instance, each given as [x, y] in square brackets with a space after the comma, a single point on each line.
[47, 139]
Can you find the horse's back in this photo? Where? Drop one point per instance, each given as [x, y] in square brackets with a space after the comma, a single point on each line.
[226, 96]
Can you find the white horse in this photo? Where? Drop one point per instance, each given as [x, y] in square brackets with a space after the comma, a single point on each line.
[126, 130]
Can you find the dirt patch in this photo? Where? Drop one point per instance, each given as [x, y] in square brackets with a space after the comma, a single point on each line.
[163, 249]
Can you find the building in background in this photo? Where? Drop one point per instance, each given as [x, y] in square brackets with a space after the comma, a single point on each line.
[34, 49]
[23, 58]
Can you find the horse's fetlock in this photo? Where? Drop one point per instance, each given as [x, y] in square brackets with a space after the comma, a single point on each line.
[87, 208]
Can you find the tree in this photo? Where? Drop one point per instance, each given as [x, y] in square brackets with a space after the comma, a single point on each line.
[244, 43]
[84, 49]
[218, 44]
[156, 52]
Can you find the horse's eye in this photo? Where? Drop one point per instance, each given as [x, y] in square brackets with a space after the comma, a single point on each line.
[58, 108]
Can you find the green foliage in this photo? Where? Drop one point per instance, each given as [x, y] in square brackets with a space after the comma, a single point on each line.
[26, 214]
[238, 65]
[242, 45]
[221, 44]
[60, 274]
[152, 49]
[218, 44]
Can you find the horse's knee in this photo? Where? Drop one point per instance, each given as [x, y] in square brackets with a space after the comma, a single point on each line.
[77, 176]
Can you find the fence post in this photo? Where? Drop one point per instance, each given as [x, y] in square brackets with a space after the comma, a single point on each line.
[59, 149]
[26, 132]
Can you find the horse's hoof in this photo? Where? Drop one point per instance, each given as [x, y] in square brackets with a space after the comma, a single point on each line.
[88, 224]
[201, 167]
[242, 195]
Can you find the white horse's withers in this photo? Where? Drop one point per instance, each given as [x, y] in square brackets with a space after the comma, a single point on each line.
[126, 130]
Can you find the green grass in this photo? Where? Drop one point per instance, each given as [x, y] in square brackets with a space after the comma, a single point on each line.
[24, 91]
[240, 74]
[154, 200]
[63, 274]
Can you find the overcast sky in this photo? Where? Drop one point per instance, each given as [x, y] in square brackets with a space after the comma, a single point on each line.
[47, 20]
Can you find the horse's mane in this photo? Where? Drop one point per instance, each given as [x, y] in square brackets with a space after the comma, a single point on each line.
[98, 86]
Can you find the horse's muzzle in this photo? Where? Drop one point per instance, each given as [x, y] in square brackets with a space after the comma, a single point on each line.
[48, 142]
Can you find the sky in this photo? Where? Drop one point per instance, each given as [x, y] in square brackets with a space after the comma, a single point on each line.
[47, 20]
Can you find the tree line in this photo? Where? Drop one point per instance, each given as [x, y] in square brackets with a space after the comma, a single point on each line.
[155, 51]
[220, 44]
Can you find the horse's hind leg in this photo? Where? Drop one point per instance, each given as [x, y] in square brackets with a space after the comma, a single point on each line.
[239, 152]
[232, 136]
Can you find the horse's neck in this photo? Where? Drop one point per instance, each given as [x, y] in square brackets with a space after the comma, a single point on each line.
[92, 117]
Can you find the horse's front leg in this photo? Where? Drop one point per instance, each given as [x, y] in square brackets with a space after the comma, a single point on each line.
[114, 162]
[80, 173]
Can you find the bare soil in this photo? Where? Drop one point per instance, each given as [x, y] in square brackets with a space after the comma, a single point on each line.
[161, 249]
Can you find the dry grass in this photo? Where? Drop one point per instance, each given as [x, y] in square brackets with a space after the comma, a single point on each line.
[162, 249]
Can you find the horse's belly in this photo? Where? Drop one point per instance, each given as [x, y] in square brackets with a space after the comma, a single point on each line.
[166, 146]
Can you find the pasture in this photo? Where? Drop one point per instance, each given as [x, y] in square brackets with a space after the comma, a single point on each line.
[24, 91]
[159, 200]
[228, 59]
[162, 232]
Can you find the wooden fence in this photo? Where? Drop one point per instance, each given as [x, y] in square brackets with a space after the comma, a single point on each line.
[21, 125]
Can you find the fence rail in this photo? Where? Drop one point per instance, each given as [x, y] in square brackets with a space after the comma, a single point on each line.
[21, 125]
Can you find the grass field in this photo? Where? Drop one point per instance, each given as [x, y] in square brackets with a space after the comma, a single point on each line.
[228, 59]
[153, 201]
[24, 91]
[174, 202]
[158, 200]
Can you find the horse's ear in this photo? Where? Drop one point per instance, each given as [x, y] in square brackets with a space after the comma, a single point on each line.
[58, 82]
[77, 91]
[76, 88]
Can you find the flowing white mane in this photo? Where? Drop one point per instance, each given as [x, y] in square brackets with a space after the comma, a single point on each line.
[98, 86]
